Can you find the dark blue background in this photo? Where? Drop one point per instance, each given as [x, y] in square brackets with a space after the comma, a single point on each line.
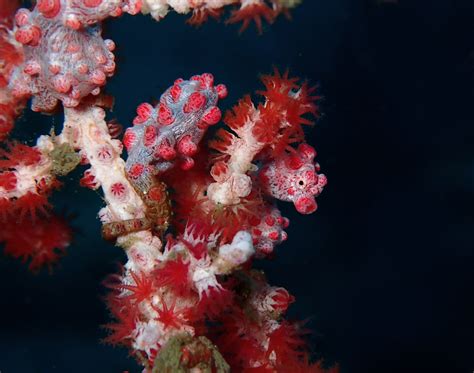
[384, 269]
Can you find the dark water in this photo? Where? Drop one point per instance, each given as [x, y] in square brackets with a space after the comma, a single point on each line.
[384, 269]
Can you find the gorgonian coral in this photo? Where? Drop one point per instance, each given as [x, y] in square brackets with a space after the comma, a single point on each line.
[191, 212]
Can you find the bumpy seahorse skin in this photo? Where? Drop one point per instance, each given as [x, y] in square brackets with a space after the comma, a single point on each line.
[293, 177]
[170, 132]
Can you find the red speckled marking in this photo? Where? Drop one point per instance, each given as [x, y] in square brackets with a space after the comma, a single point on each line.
[307, 150]
[273, 235]
[129, 139]
[221, 91]
[207, 80]
[175, 92]
[92, 3]
[98, 77]
[166, 152]
[306, 205]
[150, 136]
[49, 8]
[196, 101]
[311, 177]
[294, 162]
[144, 111]
[22, 17]
[186, 146]
[61, 83]
[270, 221]
[165, 115]
[136, 170]
[212, 116]
[28, 35]
[198, 78]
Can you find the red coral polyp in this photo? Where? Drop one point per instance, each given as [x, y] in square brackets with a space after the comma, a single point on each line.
[19, 154]
[223, 140]
[175, 275]
[240, 113]
[286, 343]
[214, 302]
[278, 86]
[168, 315]
[142, 288]
[202, 14]
[297, 99]
[253, 11]
[287, 103]
[8, 181]
[267, 127]
[32, 205]
[126, 315]
[42, 242]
